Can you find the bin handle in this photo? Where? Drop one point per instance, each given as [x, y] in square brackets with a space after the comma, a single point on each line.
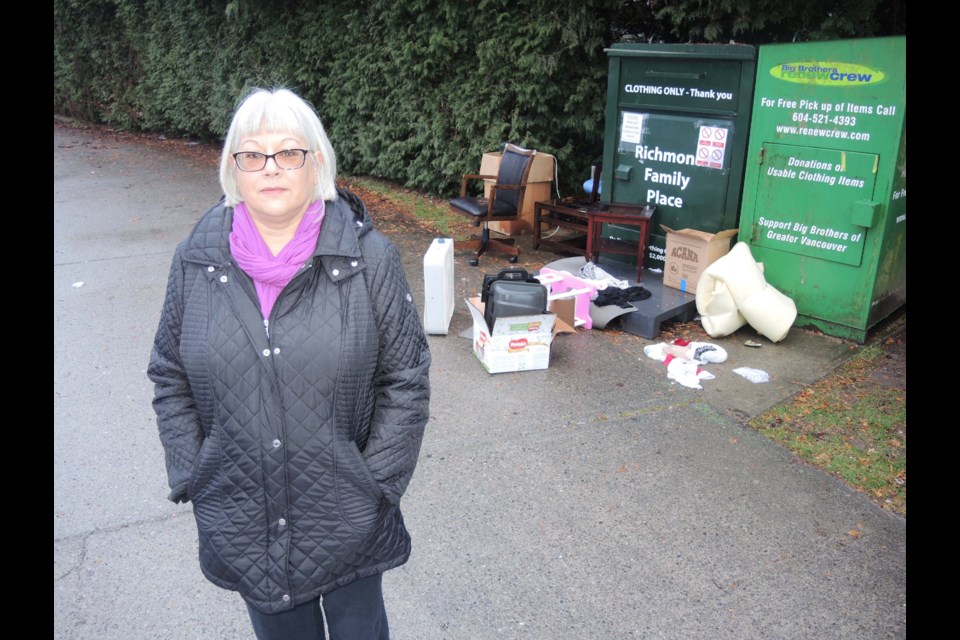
[669, 74]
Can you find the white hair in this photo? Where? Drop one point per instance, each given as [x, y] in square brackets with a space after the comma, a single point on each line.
[278, 111]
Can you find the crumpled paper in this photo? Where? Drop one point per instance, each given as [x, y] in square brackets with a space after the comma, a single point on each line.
[753, 375]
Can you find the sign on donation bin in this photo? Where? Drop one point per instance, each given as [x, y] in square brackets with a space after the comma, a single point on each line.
[824, 199]
[677, 118]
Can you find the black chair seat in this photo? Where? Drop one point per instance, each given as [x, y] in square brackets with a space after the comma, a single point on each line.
[478, 207]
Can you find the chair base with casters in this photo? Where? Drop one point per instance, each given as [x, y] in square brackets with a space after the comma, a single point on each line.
[481, 243]
[504, 202]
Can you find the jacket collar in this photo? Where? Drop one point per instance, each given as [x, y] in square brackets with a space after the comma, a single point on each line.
[338, 247]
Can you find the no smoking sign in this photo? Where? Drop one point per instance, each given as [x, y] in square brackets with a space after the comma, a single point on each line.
[712, 146]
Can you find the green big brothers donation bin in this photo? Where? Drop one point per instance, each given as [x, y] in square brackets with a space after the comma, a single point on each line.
[675, 137]
[824, 197]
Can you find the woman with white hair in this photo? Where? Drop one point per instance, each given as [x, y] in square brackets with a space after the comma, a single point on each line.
[291, 383]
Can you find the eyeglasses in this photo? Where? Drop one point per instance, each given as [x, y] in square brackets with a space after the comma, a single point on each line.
[288, 159]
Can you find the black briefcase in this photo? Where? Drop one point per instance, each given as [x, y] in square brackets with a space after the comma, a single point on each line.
[511, 275]
[516, 295]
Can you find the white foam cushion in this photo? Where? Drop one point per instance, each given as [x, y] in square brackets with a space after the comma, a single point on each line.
[732, 292]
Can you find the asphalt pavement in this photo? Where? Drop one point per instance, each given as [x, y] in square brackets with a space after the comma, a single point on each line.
[595, 499]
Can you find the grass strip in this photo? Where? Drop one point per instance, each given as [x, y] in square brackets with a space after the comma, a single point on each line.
[850, 428]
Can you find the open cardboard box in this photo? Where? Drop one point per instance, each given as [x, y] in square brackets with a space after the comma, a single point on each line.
[689, 252]
[539, 183]
[520, 343]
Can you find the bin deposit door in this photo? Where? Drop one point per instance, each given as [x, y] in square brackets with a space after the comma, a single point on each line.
[676, 135]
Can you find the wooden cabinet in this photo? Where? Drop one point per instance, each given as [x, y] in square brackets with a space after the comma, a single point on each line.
[539, 185]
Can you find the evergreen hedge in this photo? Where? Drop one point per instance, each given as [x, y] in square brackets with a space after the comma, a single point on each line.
[413, 91]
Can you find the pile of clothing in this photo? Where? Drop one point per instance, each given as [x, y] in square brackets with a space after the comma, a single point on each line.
[683, 360]
[611, 290]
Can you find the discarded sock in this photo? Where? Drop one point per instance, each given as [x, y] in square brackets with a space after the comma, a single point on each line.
[705, 352]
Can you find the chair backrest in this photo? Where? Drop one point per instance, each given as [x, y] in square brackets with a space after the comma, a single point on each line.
[515, 163]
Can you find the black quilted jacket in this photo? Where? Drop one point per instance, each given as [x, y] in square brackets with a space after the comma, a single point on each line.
[294, 439]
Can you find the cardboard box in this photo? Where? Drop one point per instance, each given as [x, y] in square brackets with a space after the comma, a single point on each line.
[539, 184]
[689, 252]
[520, 343]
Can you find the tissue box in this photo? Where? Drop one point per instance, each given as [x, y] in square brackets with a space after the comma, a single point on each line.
[520, 343]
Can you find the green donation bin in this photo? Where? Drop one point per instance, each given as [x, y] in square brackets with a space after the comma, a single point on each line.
[824, 194]
[675, 136]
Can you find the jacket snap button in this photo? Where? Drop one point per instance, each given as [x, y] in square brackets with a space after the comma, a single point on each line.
[276, 443]
[353, 263]
[276, 350]
[336, 272]
[286, 598]
[223, 278]
[210, 269]
[266, 353]
[282, 522]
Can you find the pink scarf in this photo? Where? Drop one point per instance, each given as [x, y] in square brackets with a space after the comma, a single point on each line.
[272, 273]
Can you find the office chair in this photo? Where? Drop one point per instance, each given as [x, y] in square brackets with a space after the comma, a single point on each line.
[505, 202]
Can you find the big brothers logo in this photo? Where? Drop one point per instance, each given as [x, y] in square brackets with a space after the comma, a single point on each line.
[833, 74]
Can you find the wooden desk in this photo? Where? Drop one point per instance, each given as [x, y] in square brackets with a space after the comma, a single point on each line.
[588, 218]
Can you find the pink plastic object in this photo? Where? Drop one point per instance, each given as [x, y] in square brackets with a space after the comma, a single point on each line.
[561, 285]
